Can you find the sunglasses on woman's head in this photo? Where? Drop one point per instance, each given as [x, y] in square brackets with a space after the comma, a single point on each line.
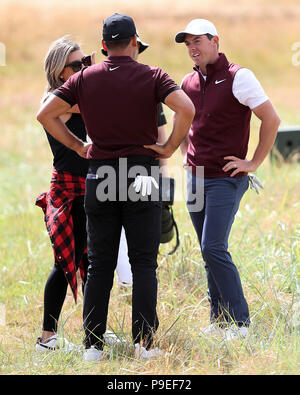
[77, 64]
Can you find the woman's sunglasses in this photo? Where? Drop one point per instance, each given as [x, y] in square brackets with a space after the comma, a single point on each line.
[77, 64]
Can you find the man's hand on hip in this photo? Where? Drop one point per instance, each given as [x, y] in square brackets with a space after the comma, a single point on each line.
[83, 149]
[238, 165]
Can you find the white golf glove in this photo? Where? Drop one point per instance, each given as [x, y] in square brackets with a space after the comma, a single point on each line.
[144, 184]
[255, 183]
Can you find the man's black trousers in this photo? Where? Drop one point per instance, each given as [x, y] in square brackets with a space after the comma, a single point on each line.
[142, 223]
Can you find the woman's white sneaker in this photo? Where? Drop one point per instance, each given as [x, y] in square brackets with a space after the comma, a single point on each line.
[54, 343]
[141, 352]
[92, 354]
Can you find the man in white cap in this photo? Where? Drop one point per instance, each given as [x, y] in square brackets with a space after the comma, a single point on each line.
[224, 95]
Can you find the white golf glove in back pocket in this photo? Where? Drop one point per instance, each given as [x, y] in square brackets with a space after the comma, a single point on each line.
[144, 184]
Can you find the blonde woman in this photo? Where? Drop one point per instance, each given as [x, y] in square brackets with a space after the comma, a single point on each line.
[63, 204]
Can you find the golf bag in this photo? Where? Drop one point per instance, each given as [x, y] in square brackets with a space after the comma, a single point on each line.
[168, 224]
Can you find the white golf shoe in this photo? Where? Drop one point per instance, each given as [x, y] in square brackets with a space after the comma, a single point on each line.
[141, 352]
[212, 330]
[236, 332]
[92, 354]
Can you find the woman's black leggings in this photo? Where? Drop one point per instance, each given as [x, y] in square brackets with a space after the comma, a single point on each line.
[56, 285]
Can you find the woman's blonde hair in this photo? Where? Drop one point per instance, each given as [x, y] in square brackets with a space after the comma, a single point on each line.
[55, 61]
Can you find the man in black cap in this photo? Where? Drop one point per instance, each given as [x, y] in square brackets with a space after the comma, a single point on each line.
[118, 100]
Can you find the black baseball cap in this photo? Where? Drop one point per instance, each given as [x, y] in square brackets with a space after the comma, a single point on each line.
[119, 27]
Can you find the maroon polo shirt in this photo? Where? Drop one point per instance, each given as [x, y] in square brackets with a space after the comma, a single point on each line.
[221, 124]
[118, 101]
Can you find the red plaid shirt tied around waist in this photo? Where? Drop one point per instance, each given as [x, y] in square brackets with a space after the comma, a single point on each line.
[56, 205]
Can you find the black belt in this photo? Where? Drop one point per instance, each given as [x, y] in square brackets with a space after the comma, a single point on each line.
[131, 159]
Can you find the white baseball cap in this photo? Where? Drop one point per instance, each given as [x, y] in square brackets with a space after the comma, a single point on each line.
[197, 27]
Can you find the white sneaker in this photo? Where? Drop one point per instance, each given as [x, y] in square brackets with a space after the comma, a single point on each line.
[141, 352]
[55, 343]
[236, 332]
[212, 330]
[92, 354]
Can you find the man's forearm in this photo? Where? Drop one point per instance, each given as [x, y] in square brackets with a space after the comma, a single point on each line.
[267, 136]
[48, 116]
[181, 126]
[270, 122]
[60, 132]
[184, 111]
[185, 142]
[161, 139]
[184, 146]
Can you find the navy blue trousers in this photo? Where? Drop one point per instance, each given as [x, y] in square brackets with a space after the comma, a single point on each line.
[213, 223]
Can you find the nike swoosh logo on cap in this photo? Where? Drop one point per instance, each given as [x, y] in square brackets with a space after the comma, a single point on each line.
[113, 68]
[116, 35]
[218, 82]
